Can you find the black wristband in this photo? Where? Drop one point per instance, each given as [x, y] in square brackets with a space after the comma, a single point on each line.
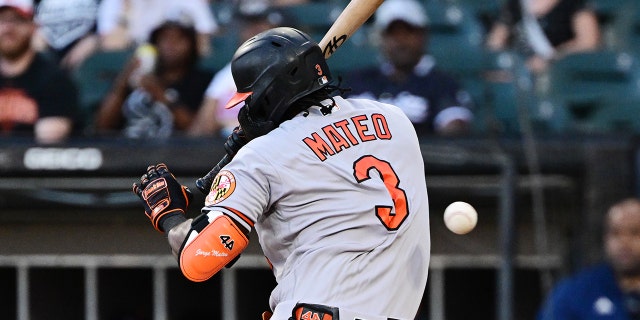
[171, 221]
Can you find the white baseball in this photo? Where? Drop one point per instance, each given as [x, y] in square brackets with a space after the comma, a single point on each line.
[460, 217]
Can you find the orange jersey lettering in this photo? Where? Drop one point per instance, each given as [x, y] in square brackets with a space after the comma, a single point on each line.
[339, 136]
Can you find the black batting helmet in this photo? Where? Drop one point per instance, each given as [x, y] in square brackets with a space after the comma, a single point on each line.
[276, 68]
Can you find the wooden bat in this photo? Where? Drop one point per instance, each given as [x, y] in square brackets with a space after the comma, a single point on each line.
[350, 19]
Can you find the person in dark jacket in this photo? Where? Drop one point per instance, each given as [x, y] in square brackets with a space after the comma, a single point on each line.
[611, 289]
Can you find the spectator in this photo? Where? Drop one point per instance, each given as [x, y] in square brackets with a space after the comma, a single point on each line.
[408, 76]
[37, 99]
[545, 30]
[610, 290]
[67, 30]
[212, 119]
[162, 102]
[124, 24]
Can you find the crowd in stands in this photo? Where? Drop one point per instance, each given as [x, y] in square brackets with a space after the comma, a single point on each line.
[452, 70]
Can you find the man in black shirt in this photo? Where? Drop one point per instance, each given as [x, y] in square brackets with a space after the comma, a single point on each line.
[37, 99]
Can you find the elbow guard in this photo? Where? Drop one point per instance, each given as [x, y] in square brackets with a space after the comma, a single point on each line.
[213, 241]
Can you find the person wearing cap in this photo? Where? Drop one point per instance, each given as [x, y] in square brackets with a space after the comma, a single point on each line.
[37, 98]
[250, 19]
[408, 76]
[161, 101]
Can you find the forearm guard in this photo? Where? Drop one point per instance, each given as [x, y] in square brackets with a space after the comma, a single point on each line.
[213, 241]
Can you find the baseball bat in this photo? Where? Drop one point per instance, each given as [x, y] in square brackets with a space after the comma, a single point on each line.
[204, 184]
[350, 19]
[234, 142]
[354, 15]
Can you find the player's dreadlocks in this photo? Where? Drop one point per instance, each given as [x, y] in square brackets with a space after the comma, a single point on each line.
[315, 99]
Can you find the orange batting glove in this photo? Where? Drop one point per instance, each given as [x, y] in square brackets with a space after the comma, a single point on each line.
[162, 195]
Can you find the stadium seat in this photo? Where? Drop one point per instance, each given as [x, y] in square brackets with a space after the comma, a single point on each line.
[509, 98]
[485, 10]
[454, 32]
[586, 85]
[608, 10]
[502, 72]
[314, 16]
[501, 87]
[223, 12]
[617, 118]
[93, 79]
[470, 75]
[585, 80]
[626, 26]
[223, 46]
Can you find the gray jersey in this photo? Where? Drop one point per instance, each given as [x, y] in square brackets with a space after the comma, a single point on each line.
[339, 202]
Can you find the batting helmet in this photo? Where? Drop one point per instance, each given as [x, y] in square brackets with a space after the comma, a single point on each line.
[276, 68]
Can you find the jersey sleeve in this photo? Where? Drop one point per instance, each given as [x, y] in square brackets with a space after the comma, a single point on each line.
[242, 190]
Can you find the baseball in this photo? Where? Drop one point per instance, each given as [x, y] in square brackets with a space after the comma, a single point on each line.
[460, 217]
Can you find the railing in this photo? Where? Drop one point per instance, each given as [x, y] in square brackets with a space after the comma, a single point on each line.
[161, 263]
[97, 174]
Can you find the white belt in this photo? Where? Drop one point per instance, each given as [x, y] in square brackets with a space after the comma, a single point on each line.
[346, 314]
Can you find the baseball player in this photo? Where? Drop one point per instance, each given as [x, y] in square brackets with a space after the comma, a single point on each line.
[334, 188]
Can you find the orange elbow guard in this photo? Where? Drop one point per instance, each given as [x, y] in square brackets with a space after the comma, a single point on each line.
[213, 241]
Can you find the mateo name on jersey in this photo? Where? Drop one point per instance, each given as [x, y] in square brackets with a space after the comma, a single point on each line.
[345, 133]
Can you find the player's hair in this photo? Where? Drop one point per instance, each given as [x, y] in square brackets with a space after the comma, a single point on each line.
[315, 99]
[276, 69]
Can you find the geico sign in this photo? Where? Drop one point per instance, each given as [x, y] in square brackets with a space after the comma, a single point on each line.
[63, 158]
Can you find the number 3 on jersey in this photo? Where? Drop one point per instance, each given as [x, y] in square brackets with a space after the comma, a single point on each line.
[391, 220]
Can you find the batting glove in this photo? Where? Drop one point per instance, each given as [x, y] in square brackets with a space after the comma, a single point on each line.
[162, 195]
